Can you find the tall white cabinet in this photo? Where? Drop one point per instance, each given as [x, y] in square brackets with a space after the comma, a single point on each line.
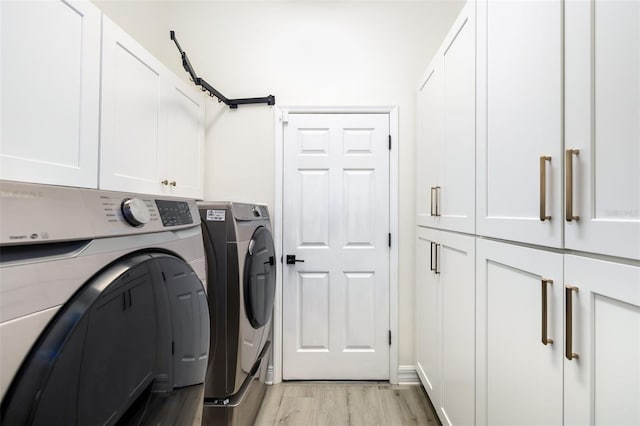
[50, 92]
[446, 147]
[519, 121]
[556, 286]
[602, 134]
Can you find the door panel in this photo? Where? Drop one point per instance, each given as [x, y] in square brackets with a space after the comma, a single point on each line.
[430, 134]
[428, 334]
[50, 121]
[457, 287]
[520, 49]
[602, 110]
[605, 334]
[509, 328]
[457, 180]
[336, 197]
[133, 143]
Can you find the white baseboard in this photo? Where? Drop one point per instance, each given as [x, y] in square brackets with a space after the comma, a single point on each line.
[269, 379]
[407, 375]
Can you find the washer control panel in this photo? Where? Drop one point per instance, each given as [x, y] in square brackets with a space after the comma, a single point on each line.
[174, 213]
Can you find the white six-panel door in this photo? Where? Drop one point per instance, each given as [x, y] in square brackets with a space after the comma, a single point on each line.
[336, 220]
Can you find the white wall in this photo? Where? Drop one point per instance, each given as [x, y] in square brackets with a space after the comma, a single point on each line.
[343, 53]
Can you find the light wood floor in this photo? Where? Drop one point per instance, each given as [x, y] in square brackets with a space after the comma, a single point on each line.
[325, 404]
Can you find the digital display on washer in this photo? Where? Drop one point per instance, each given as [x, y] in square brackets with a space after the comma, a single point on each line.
[174, 213]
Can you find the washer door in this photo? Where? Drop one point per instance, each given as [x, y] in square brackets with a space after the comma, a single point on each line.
[260, 278]
[132, 328]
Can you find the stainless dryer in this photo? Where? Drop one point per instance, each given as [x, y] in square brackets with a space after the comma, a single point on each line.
[241, 280]
[103, 315]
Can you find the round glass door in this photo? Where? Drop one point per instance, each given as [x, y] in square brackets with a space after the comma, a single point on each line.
[260, 278]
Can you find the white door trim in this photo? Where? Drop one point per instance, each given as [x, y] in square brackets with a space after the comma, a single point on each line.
[279, 113]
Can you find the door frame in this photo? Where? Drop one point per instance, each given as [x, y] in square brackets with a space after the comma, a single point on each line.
[281, 113]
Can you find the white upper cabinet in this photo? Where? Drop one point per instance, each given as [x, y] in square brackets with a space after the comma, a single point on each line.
[152, 133]
[519, 127]
[602, 343]
[185, 140]
[430, 130]
[50, 92]
[602, 127]
[133, 147]
[446, 160]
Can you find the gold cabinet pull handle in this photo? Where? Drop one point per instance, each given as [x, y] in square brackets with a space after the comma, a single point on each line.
[436, 270]
[434, 201]
[438, 201]
[165, 182]
[543, 188]
[568, 182]
[545, 338]
[431, 252]
[568, 332]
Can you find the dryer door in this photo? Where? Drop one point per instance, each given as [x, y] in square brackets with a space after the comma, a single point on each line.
[260, 278]
[123, 332]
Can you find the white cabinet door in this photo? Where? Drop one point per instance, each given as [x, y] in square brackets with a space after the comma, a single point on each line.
[602, 384]
[446, 129]
[185, 144]
[520, 120]
[445, 322]
[602, 112]
[456, 192]
[428, 330]
[430, 132]
[50, 92]
[133, 145]
[455, 263]
[519, 380]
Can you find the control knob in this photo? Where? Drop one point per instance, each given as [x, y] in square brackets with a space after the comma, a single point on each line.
[135, 211]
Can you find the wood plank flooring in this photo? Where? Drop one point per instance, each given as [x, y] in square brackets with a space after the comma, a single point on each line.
[350, 403]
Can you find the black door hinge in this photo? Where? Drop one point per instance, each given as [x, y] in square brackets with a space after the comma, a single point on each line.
[389, 142]
[389, 239]
[389, 337]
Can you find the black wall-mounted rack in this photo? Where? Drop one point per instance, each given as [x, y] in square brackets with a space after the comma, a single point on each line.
[232, 103]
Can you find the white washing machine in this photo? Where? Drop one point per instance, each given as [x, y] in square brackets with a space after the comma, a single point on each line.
[103, 314]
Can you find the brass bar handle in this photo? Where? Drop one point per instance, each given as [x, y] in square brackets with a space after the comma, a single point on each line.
[568, 184]
[431, 268]
[545, 312]
[438, 201]
[543, 188]
[568, 332]
[433, 189]
[436, 270]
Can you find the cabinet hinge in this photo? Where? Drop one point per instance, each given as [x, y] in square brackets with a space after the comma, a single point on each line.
[389, 239]
[389, 142]
[389, 337]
